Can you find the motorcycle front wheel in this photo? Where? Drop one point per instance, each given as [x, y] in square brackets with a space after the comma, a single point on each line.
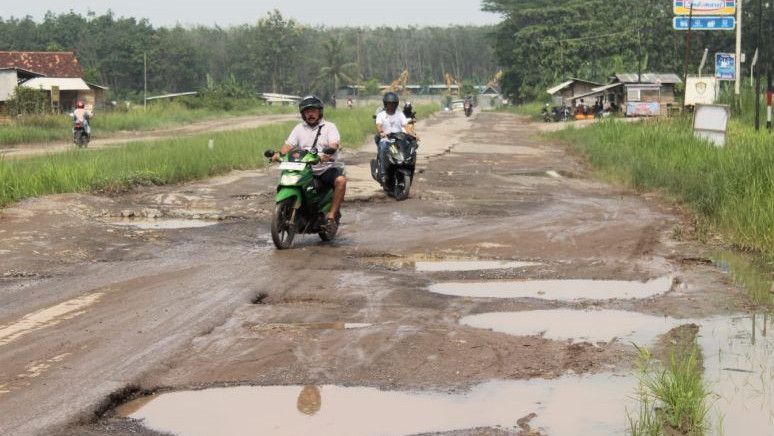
[402, 185]
[283, 226]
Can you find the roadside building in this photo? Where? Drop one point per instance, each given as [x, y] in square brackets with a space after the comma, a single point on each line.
[564, 92]
[51, 72]
[649, 94]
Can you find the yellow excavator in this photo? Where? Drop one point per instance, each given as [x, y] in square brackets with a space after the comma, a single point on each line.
[450, 80]
[399, 85]
[495, 80]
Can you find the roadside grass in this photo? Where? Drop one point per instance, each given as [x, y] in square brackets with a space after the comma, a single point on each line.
[672, 395]
[531, 109]
[46, 128]
[159, 162]
[731, 188]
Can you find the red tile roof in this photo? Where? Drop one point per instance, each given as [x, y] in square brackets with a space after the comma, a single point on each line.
[51, 64]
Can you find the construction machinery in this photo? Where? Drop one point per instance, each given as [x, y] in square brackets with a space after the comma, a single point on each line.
[399, 85]
[450, 80]
[495, 80]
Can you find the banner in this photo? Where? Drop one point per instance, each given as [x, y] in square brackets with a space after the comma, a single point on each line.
[704, 7]
[725, 66]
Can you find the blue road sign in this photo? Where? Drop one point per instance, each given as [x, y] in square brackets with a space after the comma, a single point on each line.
[705, 23]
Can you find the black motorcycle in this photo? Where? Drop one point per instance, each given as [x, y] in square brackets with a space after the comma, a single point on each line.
[401, 162]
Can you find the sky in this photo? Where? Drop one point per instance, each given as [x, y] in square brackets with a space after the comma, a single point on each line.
[234, 12]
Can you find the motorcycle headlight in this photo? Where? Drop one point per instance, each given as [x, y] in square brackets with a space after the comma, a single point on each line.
[290, 179]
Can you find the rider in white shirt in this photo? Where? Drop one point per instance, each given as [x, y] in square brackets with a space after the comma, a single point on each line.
[389, 121]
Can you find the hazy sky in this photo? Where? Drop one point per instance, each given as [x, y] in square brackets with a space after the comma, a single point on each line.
[228, 12]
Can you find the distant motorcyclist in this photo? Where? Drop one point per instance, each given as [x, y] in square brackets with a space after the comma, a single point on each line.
[82, 115]
[389, 121]
[315, 132]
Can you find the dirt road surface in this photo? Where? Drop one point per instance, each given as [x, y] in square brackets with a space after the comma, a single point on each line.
[103, 299]
[209, 126]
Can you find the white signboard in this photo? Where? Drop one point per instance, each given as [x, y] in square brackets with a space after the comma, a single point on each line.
[700, 90]
[710, 122]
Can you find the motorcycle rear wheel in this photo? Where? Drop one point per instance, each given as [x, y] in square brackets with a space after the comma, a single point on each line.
[283, 230]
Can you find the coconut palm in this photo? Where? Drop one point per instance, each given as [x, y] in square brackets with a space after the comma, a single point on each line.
[335, 70]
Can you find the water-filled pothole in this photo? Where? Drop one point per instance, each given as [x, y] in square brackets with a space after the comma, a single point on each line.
[576, 325]
[162, 224]
[468, 265]
[566, 406]
[739, 371]
[565, 290]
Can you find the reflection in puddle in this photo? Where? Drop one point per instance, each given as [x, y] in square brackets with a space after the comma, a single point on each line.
[579, 325]
[468, 265]
[566, 290]
[564, 406]
[162, 224]
[739, 368]
[746, 272]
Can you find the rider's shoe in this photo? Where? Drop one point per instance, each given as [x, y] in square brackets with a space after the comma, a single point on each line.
[331, 226]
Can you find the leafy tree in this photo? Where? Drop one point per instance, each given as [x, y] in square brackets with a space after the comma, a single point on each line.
[335, 70]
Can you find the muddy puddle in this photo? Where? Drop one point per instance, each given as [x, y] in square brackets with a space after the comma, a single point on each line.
[161, 224]
[468, 265]
[564, 290]
[739, 370]
[337, 410]
[576, 325]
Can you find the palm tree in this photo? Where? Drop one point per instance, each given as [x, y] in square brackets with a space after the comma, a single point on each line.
[334, 70]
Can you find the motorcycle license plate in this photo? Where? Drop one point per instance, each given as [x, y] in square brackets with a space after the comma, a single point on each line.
[292, 166]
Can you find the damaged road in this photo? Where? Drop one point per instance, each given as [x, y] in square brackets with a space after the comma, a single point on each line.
[172, 288]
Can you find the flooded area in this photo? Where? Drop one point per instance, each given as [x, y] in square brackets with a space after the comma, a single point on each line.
[162, 224]
[564, 290]
[739, 370]
[337, 410]
[468, 265]
[576, 325]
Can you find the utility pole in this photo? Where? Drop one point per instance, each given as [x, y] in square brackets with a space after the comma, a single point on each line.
[687, 46]
[738, 83]
[145, 81]
[757, 69]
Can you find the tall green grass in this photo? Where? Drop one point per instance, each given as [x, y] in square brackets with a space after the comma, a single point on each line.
[45, 128]
[159, 162]
[533, 109]
[671, 394]
[730, 188]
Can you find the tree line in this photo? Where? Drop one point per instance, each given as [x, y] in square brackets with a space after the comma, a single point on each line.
[541, 42]
[276, 54]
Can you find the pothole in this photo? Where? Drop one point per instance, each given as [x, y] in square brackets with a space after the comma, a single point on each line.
[739, 370]
[337, 410]
[563, 290]
[161, 224]
[576, 325]
[469, 265]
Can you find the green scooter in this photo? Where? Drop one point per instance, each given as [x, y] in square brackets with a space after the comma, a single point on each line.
[301, 205]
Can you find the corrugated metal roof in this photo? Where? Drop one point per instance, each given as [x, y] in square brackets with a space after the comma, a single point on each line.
[559, 87]
[64, 83]
[668, 78]
[51, 64]
[597, 91]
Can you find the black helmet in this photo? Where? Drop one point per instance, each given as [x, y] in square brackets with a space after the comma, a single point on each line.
[390, 97]
[310, 101]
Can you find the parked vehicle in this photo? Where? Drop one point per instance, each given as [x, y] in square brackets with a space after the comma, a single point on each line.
[80, 137]
[301, 205]
[401, 162]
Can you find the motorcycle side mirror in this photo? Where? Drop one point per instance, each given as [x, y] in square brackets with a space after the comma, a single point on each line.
[268, 153]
